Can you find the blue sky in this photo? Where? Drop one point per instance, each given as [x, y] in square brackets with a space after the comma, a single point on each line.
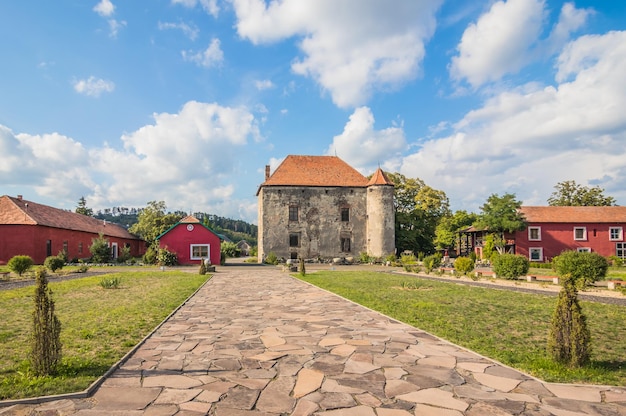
[186, 101]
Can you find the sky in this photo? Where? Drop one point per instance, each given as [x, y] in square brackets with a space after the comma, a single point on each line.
[187, 101]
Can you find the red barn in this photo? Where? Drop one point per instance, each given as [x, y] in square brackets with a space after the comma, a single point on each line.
[191, 241]
[39, 231]
[552, 230]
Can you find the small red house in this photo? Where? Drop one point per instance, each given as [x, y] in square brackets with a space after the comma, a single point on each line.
[552, 230]
[39, 231]
[192, 241]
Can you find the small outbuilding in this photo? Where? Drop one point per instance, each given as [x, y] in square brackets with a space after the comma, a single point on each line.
[192, 241]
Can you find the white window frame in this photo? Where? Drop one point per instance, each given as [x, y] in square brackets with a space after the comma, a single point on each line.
[208, 249]
[530, 230]
[114, 250]
[584, 249]
[584, 230]
[530, 253]
[620, 248]
[620, 233]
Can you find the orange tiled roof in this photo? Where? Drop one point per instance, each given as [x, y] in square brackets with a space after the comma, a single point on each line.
[189, 219]
[16, 211]
[379, 178]
[315, 171]
[611, 214]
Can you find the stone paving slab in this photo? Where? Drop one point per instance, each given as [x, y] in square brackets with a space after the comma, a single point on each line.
[255, 341]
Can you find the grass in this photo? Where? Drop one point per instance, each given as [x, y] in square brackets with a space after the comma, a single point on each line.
[98, 327]
[509, 327]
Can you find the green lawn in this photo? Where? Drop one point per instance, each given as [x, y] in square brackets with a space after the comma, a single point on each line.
[98, 326]
[510, 327]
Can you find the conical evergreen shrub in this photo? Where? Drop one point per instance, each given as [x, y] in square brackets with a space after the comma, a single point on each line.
[46, 338]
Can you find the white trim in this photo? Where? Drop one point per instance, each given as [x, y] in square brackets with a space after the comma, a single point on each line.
[192, 257]
[114, 250]
[584, 249]
[530, 233]
[620, 232]
[530, 253]
[584, 237]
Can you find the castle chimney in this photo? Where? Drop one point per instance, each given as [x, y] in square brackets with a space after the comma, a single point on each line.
[267, 172]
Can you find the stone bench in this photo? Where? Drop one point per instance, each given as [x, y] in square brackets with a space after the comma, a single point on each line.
[613, 284]
[553, 279]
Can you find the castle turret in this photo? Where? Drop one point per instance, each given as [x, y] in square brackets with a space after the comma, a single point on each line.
[381, 232]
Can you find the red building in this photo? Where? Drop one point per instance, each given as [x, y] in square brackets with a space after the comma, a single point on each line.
[39, 231]
[191, 241]
[552, 230]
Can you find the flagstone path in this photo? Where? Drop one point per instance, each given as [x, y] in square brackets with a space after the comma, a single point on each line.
[255, 341]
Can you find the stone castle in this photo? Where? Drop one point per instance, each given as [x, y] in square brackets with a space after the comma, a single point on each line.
[319, 207]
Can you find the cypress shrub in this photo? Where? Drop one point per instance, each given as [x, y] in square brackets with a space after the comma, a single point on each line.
[46, 338]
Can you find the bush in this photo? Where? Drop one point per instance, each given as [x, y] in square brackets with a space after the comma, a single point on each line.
[615, 261]
[408, 259]
[54, 263]
[430, 262]
[150, 256]
[230, 249]
[463, 265]
[584, 268]
[124, 255]
[46, 339]
[20, 264]
[535, 265]
[166, 257]
[202, 270]
[510, 266]
[63, 256]
[271, 258]
[364, 258]
[302, 268]
[110, 282]
[100, 250]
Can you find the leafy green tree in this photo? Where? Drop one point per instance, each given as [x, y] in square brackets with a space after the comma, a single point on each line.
[153, 221]
[499, 215]
[100, 250]
[569, 193]
[569, 341]
[82, 207]
[446, 236]
[20, 264]
[419, 208]
[46, 338]
[229, 249]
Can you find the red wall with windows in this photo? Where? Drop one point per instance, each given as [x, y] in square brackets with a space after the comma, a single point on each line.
[558, 237]
[32, 240]
[183, 236]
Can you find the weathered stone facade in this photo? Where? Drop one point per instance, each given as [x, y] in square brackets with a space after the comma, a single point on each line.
[324, 217]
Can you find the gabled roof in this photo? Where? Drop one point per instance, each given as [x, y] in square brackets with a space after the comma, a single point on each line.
[189, 219]
[18, 211]
[379, 178]
[609, 214]
[315, 171]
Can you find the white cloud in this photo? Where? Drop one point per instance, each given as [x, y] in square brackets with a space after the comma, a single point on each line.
[191, 31]
[104, 8]
[210, 57]
[364, 147]
[92, 86]
[264, 84]
[188, 159]
[209, 6]
[508, 37]
[351, 48]
[528, 139]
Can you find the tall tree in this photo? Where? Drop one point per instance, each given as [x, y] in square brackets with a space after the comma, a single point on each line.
[419, 209]
[446, 235]
[569, 193]
[82, 207]
[499, 215]
[153, 221]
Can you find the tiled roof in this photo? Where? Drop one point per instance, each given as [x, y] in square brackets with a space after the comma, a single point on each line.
[379, 178]
[189, 219]
[610, 214]
[315, 171]
[17, 211]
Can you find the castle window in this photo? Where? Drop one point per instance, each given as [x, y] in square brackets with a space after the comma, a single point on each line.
[293, 213]
[294, 240]
[345, 244]
[345, 214]
[580, 233]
